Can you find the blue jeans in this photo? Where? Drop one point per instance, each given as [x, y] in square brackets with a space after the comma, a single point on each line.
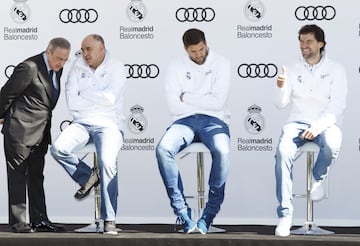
[329, 142]
[211, 131]
[108, 142]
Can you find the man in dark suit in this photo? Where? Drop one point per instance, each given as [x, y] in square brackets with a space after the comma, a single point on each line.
[26, 103]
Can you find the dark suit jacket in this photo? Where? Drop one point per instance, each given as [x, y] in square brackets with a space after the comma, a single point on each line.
[26, 105]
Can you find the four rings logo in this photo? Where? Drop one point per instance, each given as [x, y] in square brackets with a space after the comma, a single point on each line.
[315, 13]
[142, 71]
[78, 15]
[9, 71]
[257, 70]
[195, 14]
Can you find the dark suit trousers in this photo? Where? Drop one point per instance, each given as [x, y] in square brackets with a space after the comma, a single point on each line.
[27, 176]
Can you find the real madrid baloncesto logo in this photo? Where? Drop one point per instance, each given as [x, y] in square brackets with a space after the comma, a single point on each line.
[20, 12]
[136, 11]
[137, 121]
[254, 10]
[254, 122]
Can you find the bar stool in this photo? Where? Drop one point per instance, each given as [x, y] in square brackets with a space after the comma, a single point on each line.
[98, 224]
[200, 148]
[309, 228]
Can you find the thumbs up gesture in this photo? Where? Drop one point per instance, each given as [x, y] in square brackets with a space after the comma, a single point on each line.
[281, 78]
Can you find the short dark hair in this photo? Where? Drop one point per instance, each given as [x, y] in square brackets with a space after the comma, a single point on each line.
[317, 31]
[58, 43]
[193, 36]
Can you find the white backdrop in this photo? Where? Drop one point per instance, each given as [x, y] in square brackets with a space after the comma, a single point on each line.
[149, 32]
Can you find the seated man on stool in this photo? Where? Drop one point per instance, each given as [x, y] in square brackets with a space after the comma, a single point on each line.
[197, 88]
[94, 94]
[317, 88]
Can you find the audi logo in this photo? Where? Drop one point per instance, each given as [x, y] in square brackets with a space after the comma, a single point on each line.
[257, 70]
[78, 15]
[315, 13]
[64, 124]
[142, 71]
[195, 14]
[9, 71]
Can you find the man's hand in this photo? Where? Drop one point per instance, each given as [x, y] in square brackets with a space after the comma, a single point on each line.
[308, 134]
[281, 78]
[1, 121]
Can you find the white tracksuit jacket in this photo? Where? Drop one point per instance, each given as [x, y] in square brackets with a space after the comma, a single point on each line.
[317, 93]
[206, 87]
[96, 96]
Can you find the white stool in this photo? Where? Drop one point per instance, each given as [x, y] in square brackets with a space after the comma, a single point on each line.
[309, 228]
[98, 224]
[200, 149]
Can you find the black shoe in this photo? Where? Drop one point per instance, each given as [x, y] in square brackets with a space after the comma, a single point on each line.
[85, 190]
[47, 226]
[21, 227]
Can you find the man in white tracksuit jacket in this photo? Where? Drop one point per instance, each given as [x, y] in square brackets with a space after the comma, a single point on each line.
[94, 94]
[316, 87]
[197, 88]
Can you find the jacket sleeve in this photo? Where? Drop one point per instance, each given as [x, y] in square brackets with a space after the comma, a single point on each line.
[173, 89]
[109, 94]
[216, 98]
[15, 86]
[282, 96]
[337, 101]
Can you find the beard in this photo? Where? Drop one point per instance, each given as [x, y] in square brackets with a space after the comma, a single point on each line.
[309, 55]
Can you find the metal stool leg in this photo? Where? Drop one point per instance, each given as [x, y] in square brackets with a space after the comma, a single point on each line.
[310, 228]
[200, 182]
[98, 224]
[201, 190]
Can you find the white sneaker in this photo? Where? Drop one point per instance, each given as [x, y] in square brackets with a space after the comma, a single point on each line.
[283, 227]
[317, 192]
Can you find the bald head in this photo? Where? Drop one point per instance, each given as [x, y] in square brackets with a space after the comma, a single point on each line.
[93, 50]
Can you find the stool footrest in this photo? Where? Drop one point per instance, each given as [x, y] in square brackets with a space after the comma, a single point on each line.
[191, 197]
[300, 195]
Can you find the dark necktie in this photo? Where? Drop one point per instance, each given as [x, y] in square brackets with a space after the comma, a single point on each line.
[53, 83]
